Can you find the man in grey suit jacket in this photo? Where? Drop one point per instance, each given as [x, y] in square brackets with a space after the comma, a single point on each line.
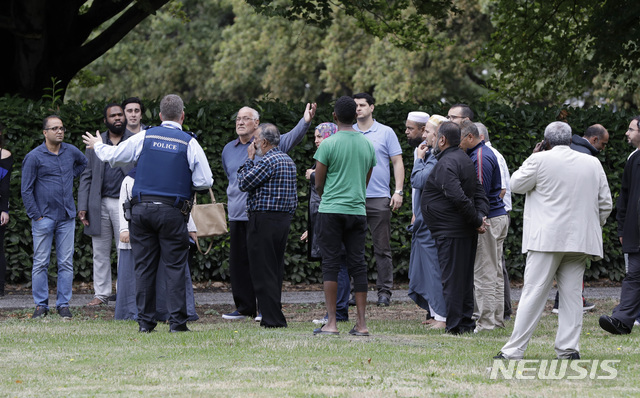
[98, 195]
[558, 236]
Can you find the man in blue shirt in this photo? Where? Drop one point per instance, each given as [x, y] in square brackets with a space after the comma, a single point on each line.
[235, 155]
[47, 192]
[488, 278]
[273, 198]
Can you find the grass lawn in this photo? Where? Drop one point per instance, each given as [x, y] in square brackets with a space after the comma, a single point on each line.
[93, 356]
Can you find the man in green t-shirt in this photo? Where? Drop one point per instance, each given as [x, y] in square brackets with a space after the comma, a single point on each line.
[343, 168]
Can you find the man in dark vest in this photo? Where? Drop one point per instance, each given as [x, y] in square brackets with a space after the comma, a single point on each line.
[171, 165]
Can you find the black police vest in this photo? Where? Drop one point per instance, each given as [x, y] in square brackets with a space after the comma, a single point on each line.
[163, 167]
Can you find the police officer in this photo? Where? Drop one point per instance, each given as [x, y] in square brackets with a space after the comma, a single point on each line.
[171, 165]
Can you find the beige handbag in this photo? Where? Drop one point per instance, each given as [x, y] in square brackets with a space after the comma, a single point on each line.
[210, 220]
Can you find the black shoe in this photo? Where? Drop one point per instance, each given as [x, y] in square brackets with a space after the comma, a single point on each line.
[383, 301]
[64, 313]
[587, 306]
[500, 355]
[144, 330]
[40, 311]
[179, 328]
[573, 355]
[111, 298]
[613, 325]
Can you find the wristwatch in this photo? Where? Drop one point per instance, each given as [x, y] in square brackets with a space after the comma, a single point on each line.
[399, 192]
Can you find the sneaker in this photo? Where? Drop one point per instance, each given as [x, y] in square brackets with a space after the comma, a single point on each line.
[637, 322]
[258, 318]
[41, 311]
[555, 308]
[64, 313]
[234, 316]
[322, 321]
[587, 306]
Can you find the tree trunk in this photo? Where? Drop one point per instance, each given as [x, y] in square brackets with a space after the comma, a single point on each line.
[44, 40]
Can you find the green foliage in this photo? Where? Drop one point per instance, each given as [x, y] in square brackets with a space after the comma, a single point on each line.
[554, 49]
[514, 131]
[229, 52]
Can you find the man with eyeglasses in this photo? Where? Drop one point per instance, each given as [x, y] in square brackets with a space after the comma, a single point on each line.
[48, 172]
[459, 113]
[235, 155]
[98, 198]
[622, 319]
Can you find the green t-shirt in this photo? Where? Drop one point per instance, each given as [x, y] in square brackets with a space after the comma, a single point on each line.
[348, 156]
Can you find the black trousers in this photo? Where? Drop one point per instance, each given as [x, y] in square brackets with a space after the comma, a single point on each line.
[627, 311]
[3, 260]
[337, 234]
[456, 257]
[159, 231]
[267, 235]
[244, 296]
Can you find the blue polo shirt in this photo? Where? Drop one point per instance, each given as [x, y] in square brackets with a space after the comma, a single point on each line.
[386, 144]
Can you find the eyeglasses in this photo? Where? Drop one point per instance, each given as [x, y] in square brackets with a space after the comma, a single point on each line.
[244, 119]
[55, 129]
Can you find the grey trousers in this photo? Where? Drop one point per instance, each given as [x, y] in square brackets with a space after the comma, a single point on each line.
[102, 244]
[379, 223]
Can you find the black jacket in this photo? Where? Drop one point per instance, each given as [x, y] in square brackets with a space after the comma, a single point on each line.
[581, 144]
[627, 205]
[453, 201]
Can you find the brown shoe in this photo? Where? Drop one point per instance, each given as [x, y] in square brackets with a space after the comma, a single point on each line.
[95, 302]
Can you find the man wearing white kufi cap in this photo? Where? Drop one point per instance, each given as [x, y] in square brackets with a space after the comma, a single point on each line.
[415, 127]
[425, 282]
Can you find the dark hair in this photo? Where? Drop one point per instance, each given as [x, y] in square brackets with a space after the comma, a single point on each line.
[110, 105]
[465, 110]
[451, 132]
[133, 100]
[269, 133]
[365, 96]
[45, 121]
[637, 119]
[468, 127]
[345, 109]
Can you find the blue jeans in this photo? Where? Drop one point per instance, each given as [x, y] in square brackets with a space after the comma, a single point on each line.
[43, 232]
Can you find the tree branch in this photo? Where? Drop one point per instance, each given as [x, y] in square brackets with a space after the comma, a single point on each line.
[87, 53]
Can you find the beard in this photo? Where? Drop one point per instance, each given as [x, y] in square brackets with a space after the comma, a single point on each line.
[259, 152]
[435, 150]
[117, 130]
[415, 142]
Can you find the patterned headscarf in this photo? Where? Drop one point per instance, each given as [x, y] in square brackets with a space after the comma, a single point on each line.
[327, 129]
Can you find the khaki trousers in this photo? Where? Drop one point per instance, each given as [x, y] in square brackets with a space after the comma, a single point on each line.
[488, 279]
[568, 269]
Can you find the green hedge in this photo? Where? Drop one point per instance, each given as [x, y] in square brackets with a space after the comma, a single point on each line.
[514, 131]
